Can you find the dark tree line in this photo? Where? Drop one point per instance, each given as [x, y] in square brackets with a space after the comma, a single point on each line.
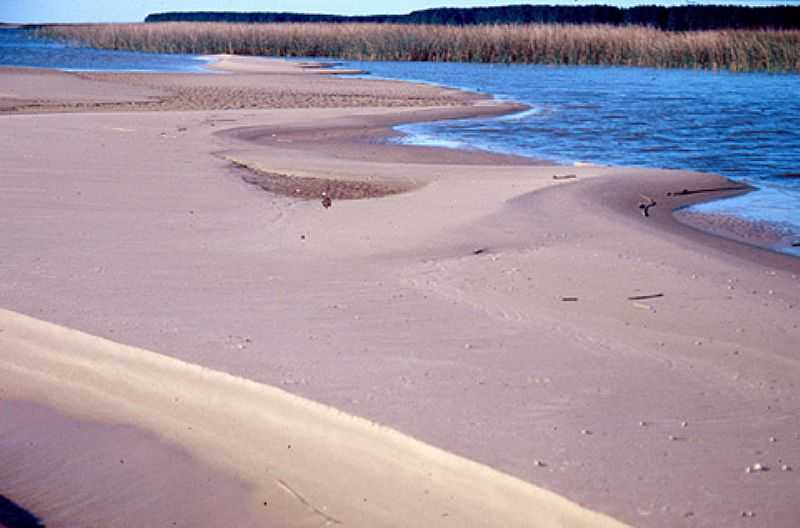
[679, 18]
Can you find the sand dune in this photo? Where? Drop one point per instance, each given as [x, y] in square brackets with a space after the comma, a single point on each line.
[308, 465]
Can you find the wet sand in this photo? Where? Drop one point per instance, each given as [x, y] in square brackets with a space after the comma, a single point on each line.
[763, 234]
[436, 311]
[244, 86]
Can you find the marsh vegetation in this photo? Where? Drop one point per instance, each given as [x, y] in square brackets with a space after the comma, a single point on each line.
[735, 50]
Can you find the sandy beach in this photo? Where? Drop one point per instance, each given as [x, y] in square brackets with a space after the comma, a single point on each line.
[189, 337]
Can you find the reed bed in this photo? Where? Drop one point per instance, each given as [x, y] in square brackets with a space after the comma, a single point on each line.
[735, 50]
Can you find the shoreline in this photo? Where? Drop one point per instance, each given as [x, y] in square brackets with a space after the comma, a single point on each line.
[760, 234]
[346, 141]
[451, 293]
[772, 236]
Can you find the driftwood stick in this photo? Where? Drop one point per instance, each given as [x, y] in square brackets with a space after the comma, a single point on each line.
[569, 299]
[684, 192]
[564, 176]
[644, 297]
[646, 204]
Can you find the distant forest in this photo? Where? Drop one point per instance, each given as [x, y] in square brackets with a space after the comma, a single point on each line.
[680, 18]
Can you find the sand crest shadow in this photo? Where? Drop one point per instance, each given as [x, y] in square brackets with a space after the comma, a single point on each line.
[14, 516]
[310, 188]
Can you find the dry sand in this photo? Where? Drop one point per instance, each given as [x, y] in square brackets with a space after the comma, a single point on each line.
[436, 311]
[308, 465]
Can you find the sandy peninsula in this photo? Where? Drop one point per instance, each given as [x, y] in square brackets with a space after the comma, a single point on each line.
[189, 337]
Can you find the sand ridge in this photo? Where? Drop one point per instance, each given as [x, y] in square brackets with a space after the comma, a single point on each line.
[79, 472]
[309, 465]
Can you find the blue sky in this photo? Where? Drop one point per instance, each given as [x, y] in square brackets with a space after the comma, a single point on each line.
[136, 10]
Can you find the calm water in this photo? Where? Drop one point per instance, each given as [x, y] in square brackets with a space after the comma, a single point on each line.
[19, 48]
[744, 126]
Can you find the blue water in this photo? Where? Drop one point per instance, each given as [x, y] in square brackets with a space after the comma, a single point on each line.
[19, 48]
[743, 126]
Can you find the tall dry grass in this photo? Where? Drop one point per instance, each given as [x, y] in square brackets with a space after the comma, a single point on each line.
[735, 50]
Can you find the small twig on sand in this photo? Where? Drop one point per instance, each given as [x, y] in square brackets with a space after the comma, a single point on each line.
[564, 176]
[684, 192]
[569, 299]
[644, 297]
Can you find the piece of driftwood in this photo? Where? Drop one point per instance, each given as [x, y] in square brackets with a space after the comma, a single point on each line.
[564, 176]
[569, 299]
[646, 204]
[479, 251]
[684, 192]
[644, 297]
[318, 65]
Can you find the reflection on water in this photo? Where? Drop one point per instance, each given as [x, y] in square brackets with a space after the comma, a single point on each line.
[738, 125]
[19, 48]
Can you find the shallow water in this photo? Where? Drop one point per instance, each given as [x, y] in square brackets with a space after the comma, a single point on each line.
[742, 126]
[19, 48]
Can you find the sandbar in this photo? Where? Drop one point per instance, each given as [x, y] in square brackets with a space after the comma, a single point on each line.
[413, 336]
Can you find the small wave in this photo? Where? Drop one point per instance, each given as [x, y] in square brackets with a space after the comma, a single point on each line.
[519, 116]
[422, 140]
